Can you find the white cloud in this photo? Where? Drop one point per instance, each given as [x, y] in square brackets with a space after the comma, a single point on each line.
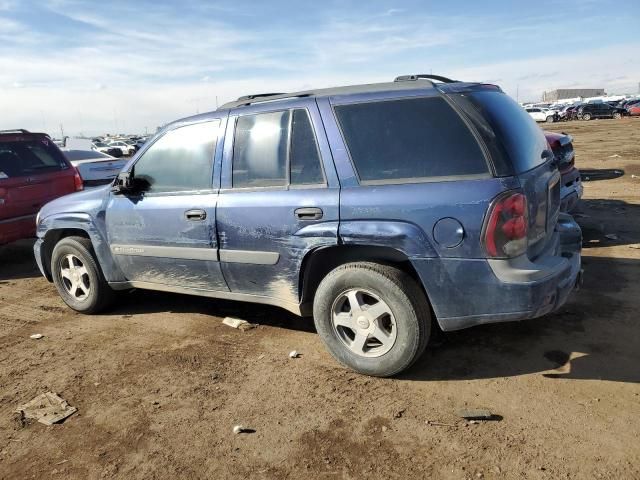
[159, 66]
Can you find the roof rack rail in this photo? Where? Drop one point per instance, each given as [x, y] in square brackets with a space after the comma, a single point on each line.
[15, 130]
[257, 95]
[263, 97]
[418, 76]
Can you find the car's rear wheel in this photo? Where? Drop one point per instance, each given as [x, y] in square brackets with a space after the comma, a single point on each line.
[586, 116]
[373, 318]
[78, 277]
[617, 115]
[550, 119]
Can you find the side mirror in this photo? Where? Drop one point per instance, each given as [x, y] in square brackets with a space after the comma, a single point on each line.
[123, 183]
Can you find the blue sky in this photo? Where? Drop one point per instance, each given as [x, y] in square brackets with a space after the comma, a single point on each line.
[101, 66]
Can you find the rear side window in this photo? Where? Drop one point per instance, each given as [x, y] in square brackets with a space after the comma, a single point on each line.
[409, 140]
[511, 126]
[31, 157]
[306, 168]
[276, 149]
[180, 160]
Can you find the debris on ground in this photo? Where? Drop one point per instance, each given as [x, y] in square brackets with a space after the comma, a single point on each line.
[36, 336]
[439, 424]
[475, 414]
[238, 429]
[399, 413]
[238, 323]
[615, 155]
[636, 246]
[612, 236]
[294, 354]
[47, 408]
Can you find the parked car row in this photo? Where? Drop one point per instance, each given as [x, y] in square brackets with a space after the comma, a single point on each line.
[585, 111]
[118, 146]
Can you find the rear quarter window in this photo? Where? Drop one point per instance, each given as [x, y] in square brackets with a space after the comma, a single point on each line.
[515, 132]
[20, 158]
[409, 140]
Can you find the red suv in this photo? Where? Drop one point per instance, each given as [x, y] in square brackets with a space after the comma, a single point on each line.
[33, 171]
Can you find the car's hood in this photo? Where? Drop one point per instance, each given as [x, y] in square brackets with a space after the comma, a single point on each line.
[86, 201]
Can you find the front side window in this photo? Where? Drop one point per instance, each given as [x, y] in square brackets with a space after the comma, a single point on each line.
[276, 149]
[408, 140]
[181, 160]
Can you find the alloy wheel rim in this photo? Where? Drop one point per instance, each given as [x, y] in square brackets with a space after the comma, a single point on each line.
[364, 323]
[75, 277]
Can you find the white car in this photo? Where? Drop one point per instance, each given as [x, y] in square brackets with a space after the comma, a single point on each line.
[541, 114]
[95, 168]
[124, 147]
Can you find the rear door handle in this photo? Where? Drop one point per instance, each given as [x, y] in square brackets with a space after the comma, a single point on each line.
[309, 213]
[195, 215]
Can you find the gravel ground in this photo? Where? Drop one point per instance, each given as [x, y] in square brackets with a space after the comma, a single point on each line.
[159, 382]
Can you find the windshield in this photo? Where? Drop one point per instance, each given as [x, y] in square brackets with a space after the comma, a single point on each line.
[20, 158]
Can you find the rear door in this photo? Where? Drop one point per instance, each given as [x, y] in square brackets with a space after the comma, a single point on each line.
[165, 232]
[279, 197]
[33, 172]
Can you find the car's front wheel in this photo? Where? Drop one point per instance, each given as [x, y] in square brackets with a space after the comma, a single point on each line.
[550, 119]
[617, 115]
[373, 318]
[586, 116]
[78, 277]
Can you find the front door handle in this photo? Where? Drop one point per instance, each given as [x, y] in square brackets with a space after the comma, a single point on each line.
[309, 213]
[195, 215]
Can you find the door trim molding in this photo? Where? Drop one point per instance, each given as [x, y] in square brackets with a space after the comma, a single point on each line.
[185, 253]
[253, 257]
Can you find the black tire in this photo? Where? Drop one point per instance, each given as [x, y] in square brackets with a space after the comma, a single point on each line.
[617, 115]
[586, 116]
[550, 119]
[99, 295]
[402, 295]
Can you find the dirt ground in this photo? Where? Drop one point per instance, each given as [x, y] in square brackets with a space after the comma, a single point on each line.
[159, 383]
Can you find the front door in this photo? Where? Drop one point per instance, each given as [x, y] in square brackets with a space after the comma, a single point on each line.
[165, 232]
[279, 198]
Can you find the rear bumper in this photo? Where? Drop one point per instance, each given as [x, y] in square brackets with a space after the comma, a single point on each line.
[465, 293]
[17, 228]
[570, 190]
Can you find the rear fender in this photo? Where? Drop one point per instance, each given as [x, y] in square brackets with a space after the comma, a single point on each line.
[406, 237]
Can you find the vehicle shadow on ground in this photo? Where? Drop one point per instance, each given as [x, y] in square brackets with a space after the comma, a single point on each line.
[595, 174]
[606, 223]
[593, 337]
[17, 261]
[146, 301]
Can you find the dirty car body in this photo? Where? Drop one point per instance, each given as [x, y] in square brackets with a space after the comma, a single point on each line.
[290, 194]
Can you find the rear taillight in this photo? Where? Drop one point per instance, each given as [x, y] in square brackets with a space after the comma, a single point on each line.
[77, 181]
[506, 229]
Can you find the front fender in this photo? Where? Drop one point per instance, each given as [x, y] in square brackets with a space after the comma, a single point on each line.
[61, 223]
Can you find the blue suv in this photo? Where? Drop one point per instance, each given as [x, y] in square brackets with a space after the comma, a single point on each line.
[383, 210]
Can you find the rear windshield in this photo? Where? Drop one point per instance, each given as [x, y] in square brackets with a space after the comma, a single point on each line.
[29, 157]
[409, 140]
[511, 129]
